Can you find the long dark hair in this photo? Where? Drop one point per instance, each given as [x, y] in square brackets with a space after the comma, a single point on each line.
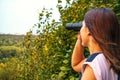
[104, 27]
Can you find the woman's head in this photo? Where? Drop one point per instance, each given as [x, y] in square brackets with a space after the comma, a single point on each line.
[103, 25]
[104, 28]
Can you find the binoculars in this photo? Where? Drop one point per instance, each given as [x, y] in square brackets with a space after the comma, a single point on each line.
[74, 26]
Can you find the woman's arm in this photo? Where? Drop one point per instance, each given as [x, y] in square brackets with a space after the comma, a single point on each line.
[88, 74]
[78, 55]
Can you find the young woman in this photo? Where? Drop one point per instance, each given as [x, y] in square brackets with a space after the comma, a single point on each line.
[101, 34]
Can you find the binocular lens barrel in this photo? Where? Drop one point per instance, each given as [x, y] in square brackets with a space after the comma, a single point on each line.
[74, 26]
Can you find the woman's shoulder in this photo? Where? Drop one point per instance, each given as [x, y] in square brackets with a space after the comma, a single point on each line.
[96, 61]
[100, 66]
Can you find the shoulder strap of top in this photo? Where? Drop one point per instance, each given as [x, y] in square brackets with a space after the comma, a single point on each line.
[91, 57]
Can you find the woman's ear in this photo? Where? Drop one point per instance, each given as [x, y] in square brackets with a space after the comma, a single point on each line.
[88, 32]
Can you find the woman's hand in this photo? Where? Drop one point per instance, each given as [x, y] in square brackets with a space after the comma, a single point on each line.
[79, 37]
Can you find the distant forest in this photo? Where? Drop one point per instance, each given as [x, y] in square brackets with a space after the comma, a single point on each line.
[10, 39]
[10, 45]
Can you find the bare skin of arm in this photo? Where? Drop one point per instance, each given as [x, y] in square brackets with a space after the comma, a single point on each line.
[78, 56]
[88, 74]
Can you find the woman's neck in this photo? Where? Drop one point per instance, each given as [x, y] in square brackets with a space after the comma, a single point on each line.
[94, 47]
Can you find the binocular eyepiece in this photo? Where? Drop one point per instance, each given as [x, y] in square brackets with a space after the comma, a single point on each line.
[74, 26]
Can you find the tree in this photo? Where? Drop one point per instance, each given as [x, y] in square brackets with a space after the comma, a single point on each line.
[47, 55]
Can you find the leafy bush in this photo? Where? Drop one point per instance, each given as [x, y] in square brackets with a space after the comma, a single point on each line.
[9, 70]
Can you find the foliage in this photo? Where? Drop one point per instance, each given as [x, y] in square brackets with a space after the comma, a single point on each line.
[9, 51]
[10, 46]
[9, 70]
[43, 51]
[47, 56]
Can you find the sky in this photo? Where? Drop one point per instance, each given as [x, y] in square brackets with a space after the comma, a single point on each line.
[18, 16]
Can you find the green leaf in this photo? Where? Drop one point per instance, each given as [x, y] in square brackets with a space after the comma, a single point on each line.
[65, 61]
[61, 74]
[41, 14]
[59, 1]
[63, 68]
